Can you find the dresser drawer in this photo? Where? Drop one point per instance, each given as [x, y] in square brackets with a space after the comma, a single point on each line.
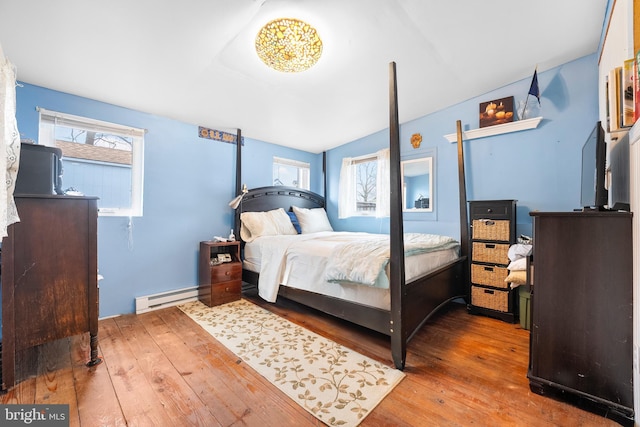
[226, 272]
[490, 229]
[494, 253]
[489, 275]
[491, 210]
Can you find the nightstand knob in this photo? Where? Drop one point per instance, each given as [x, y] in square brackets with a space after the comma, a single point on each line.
[227, 273]
[489, 210]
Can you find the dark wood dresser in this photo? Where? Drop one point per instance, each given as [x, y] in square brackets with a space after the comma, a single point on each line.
[49, 276]
[493, 231]
[582, 308]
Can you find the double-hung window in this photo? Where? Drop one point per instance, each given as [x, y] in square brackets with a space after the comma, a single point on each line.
[291, 173]
[364, 186]
[98, 159]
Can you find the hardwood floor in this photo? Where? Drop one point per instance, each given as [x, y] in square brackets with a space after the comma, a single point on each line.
[161, 369]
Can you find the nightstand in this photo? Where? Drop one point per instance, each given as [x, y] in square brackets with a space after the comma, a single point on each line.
[220, 283]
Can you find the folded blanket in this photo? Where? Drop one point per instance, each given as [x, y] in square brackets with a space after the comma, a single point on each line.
[363, 260]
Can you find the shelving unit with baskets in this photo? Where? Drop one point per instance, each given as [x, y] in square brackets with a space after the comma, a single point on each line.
[493, 224]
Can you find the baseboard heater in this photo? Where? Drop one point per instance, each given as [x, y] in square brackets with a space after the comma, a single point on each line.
[166, 299]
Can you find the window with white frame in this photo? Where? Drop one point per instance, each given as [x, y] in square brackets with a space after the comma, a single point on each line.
[98, 159]
[364, 186]
[291, 173]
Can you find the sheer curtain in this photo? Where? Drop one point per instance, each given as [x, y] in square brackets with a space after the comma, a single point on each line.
[348, 189]
[9, 143]
[383, 203]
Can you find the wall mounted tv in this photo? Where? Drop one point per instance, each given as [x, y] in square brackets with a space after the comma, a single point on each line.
[594, 194]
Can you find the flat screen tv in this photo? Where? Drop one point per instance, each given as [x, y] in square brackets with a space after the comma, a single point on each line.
[620, 180]
[594, 194]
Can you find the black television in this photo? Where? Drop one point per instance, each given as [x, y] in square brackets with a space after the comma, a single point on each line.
[594, 194]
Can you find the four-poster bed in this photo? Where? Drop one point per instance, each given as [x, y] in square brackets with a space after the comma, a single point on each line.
[411, 298]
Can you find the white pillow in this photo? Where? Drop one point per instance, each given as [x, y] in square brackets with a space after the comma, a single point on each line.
[312, 220]
[519, 264]
[270, 223]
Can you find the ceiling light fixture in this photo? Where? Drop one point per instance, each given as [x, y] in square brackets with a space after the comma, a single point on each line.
[288, 45]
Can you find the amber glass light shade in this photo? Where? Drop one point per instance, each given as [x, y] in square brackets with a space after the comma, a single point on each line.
[288, 45]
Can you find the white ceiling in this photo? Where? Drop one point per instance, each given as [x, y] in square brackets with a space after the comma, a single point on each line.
[194, 60]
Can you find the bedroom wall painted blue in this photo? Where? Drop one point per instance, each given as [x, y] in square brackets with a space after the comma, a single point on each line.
[539, 168]
[189, 180]
[188, 184]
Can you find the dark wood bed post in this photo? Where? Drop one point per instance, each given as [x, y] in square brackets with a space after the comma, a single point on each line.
[324, 175]
[236, 212]
[464, 221]
[397, 327]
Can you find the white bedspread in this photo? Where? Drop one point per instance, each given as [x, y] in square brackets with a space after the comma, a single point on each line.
[273, 256]
[362, 260]
[275, 250]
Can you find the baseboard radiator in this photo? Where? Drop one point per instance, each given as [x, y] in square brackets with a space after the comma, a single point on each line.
[166, 299]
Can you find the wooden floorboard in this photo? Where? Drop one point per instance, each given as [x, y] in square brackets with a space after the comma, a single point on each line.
[162, 369]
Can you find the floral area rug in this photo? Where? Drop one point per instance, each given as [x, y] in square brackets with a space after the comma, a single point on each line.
[337, 385]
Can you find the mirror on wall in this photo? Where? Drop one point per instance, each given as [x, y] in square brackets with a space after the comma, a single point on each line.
[417, 184]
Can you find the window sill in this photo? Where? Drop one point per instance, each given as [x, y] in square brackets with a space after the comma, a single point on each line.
[496, 130]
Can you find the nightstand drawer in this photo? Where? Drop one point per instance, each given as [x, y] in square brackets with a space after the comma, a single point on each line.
[226, 272]
[222, 293]
[495, 253]
[490, 229]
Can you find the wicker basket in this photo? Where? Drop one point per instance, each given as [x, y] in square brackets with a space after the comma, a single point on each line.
[493, 299]
[495, 253]
[488, 229]
[489, 275]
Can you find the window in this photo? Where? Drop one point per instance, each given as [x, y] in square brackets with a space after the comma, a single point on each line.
[291, 173]
[98, 159]
[364, 186]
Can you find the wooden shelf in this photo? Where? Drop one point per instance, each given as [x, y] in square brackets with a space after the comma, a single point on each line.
[497, 129]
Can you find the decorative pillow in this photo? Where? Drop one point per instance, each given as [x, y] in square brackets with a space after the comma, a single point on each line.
[270, 223]
[519, 277]
[312, 220]
[519, 264]
[294, 221]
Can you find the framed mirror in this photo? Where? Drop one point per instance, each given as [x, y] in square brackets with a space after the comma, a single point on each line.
[417, 184]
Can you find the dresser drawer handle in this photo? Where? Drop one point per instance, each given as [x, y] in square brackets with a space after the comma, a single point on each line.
[488, 269]
[227, 273]
[489, 222]
[490, 246]
[489, 210]
[489, 291]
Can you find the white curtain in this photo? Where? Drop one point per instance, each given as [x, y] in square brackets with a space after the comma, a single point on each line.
[383, 202]
[347, 190]
[9, 143]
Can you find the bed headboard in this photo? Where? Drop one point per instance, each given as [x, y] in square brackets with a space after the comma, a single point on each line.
[267, 198]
